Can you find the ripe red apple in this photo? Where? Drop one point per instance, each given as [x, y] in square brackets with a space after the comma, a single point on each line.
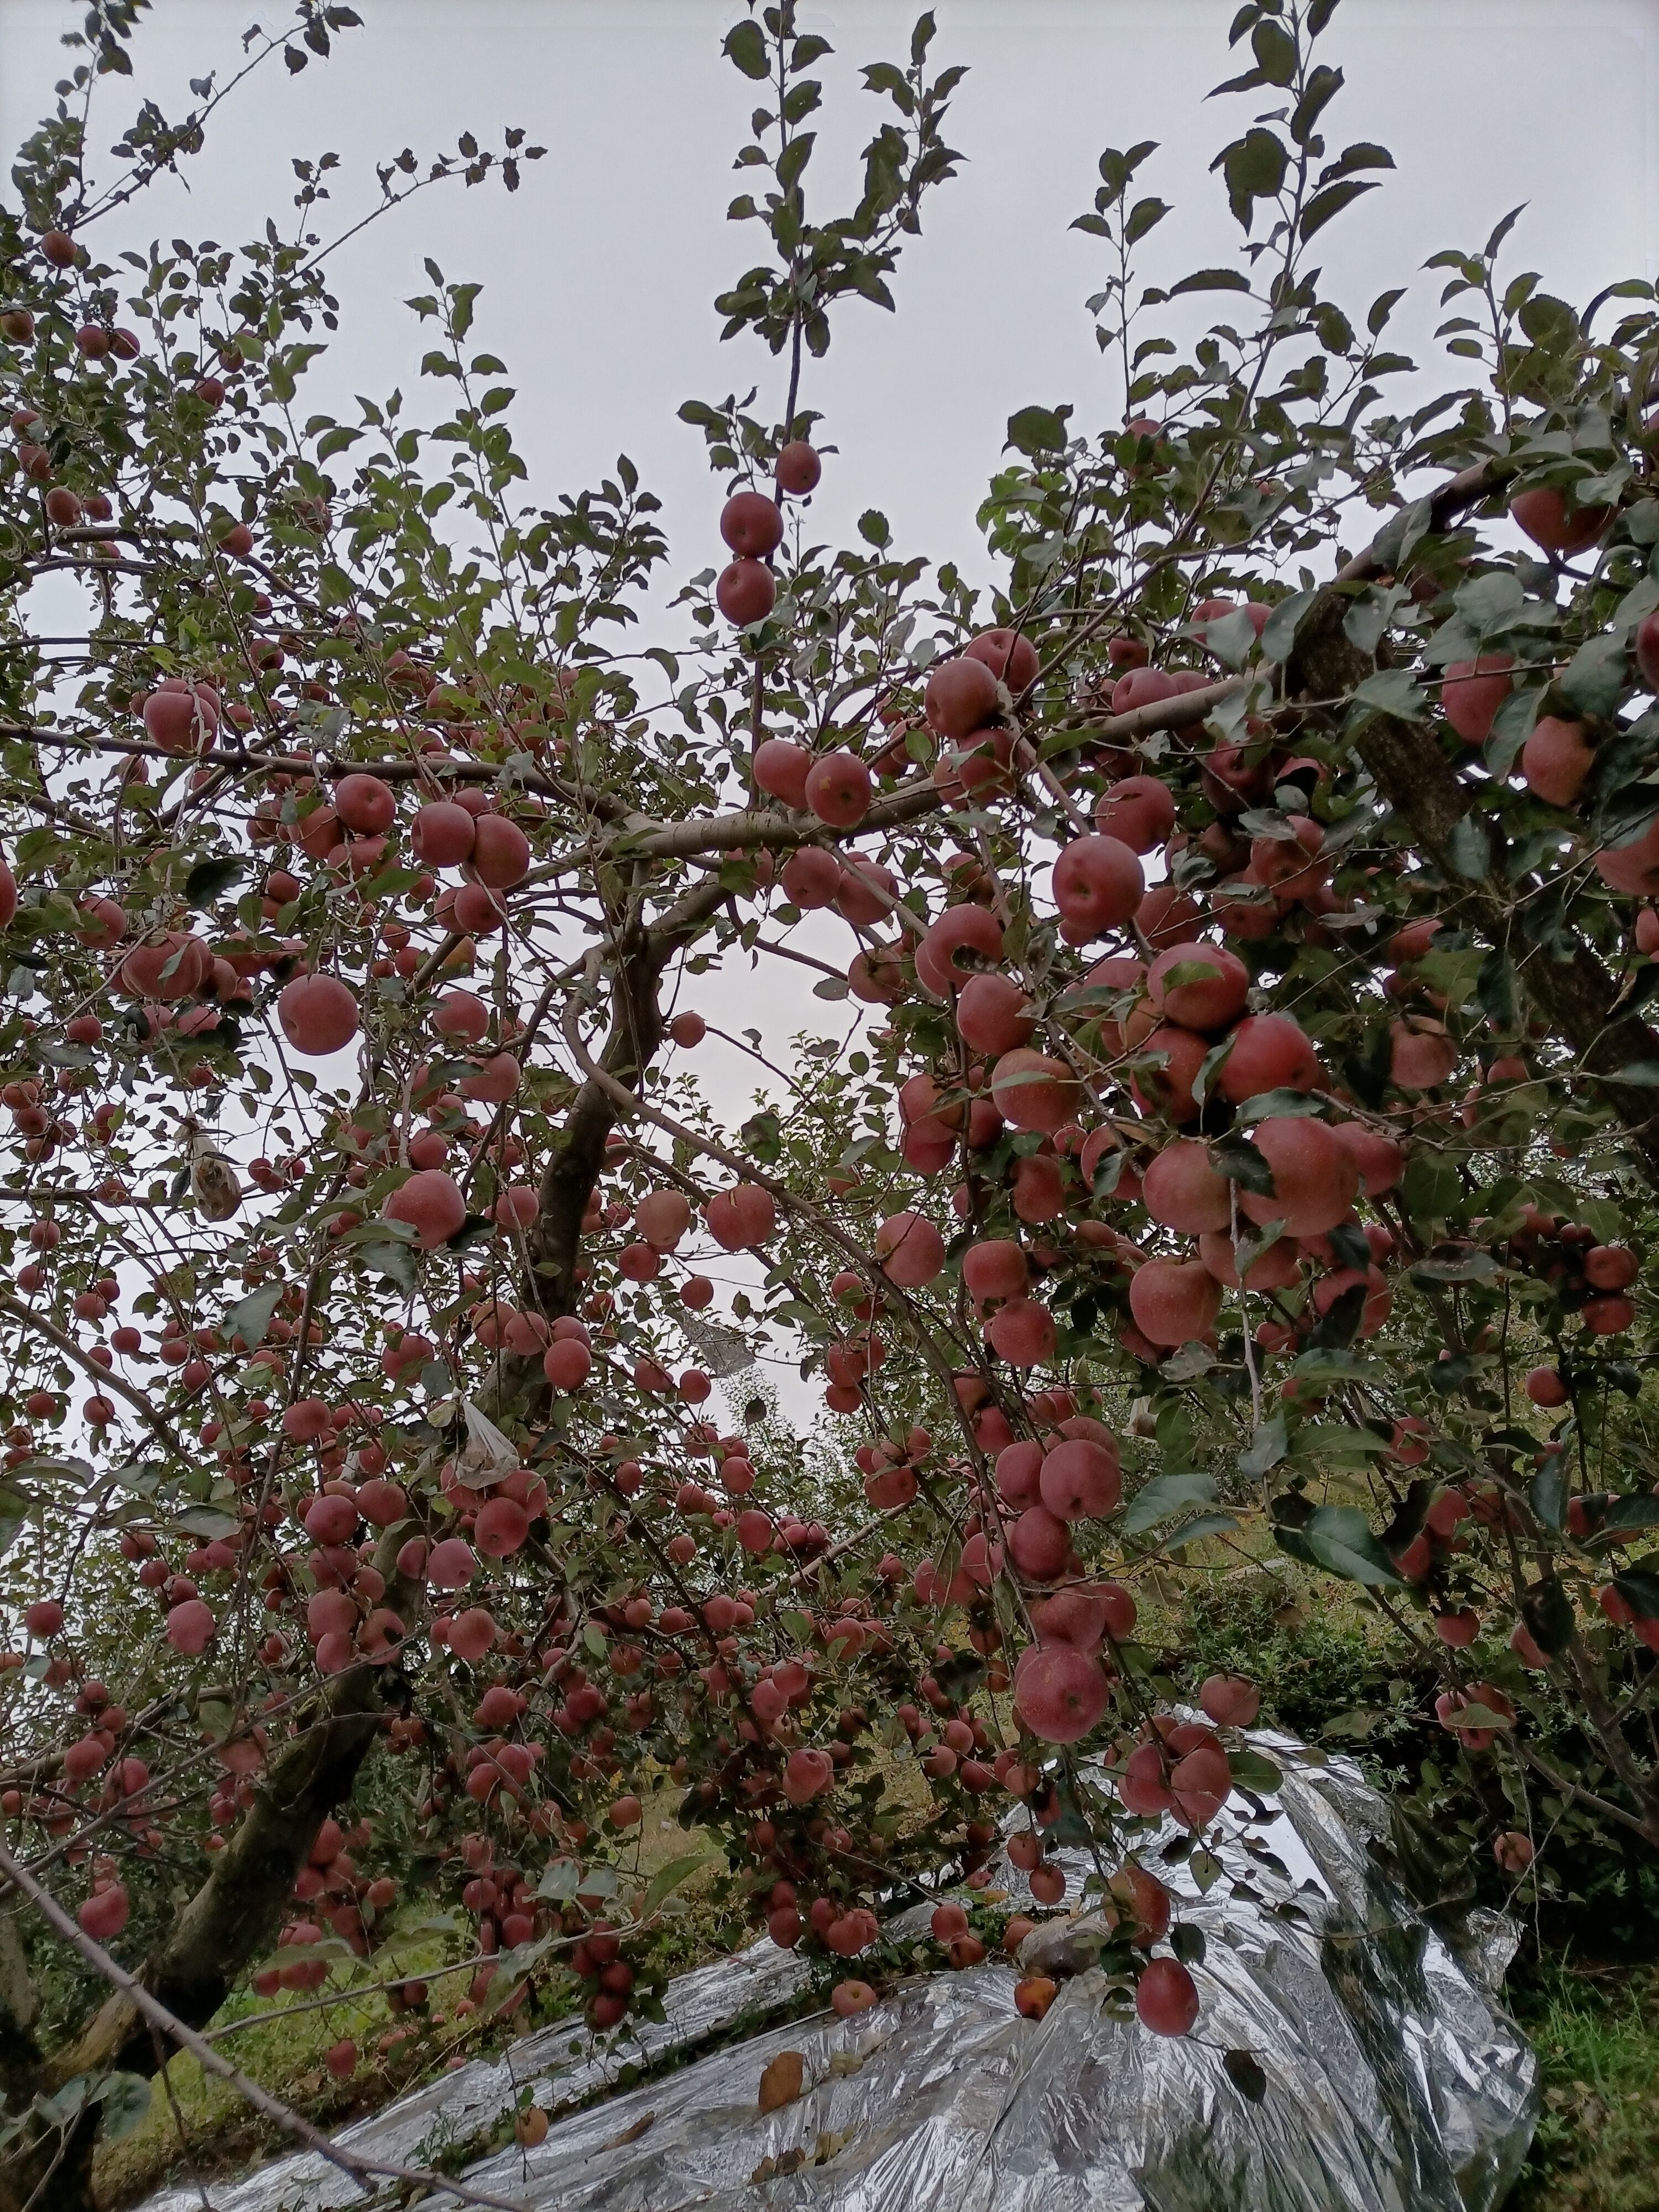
[1039, 1543]
[960, 929]
[811, 878]
[1544, 517]
[1314, 1178]
[1556, 761]
[443, 834]
[961, 697]
[1061, 1692]
[1170, 1061]
[431, 1202]
[1081, 1480]
[743, 1217]
[996, 1270]
[1182, 1191]
[751, 524]
[1166, 1997]
[1174, 1301]
[1472, 691]
[365, 804]
[1270, 1052]
[745, 592]
[838, 789]
[910, 1250]
[317, 1013]
[1098, 885]
[1229, 1700]
[1032, 1091]
[1202, 987]
[1611, 1266]
[1139, 812]
[1380, 1161]
[1420, 1058]
[799, 469]
[1023, 1332]
[782, 770]
[501, 852]
[993, 1014]
[1008, 654]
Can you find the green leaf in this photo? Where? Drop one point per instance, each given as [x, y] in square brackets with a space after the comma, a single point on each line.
[1254, 1771]
[745, 45]
[1393, 692]
[1595, 678]
[1210, 280]
[1432, 1190]
[1193, 1531]
[1546, 1608]
[249, 1319]
[208, 878]
[1267, 1446]
[667, 1879]
[123, 2100]
[1278, 632]
[1143, 217]
[1339, 1537]
[1166, 1494]
[1638, 1585]
[1275, 52]
[1255, 165]
[1332, 201]
[1239, 1161]
[1640, 1074]
[392, 1263]
[1036, 430]
[1469, 848]
[207, 1522]
[1624, 1515]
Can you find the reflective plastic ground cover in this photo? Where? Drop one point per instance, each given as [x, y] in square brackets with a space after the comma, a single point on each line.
[1394, 2081]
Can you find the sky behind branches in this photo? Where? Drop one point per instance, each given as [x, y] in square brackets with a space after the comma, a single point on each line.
[600, 274]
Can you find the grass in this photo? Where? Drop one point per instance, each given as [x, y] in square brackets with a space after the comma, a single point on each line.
[1596, 2032]
[197, 2123]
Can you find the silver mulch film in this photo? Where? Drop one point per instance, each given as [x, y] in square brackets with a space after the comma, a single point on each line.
[1394, 2082]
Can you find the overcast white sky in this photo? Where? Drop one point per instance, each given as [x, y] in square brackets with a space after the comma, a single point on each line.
[600, 274]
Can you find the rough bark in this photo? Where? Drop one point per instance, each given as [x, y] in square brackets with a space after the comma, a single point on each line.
[635, 1037]
[232, 1919]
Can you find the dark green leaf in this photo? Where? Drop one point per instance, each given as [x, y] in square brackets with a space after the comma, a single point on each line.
[1331, 202]
[1638, 1585]
[1036, 430]
[745, 45]
[1548, 1493]
[1187, 1943]
[1597, 676]
[1239, 1161]
[1163, 1495]
[1339, 1537]
[208, 878]
[1469, 848]
[1275, 52]
[1210, 280]
[1255, 165]
[249, 1319]
[1546, 1610]
[1267, 1446]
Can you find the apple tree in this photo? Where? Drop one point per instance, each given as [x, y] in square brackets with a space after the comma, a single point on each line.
[1234, 1136]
